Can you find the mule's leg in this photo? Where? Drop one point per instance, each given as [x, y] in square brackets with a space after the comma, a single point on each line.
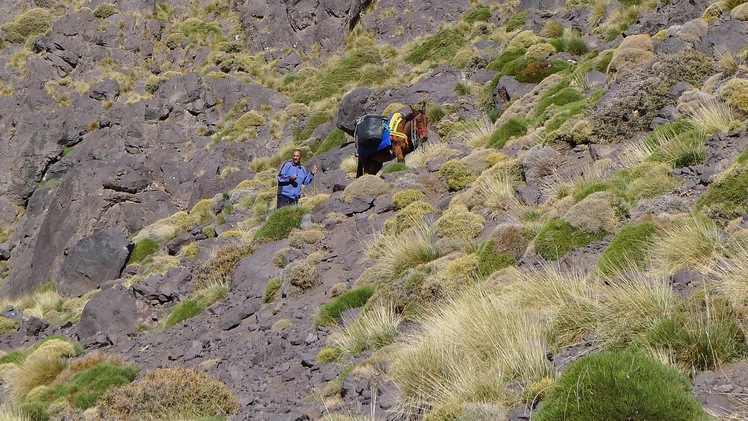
[398, 151]
[360, 168]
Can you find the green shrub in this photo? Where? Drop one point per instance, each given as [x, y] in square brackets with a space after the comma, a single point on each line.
[727, 197]
[480, 14]
[329, 354]
[506, 56]
[330, 312]
[170, 393]
[194, 306]
[559, 44]
[104, 10]
[456, 174]
[553, 29]
[562, 97]
[194, 27]
[435, 112]
[314, 121]
[220, 267]
[143, 249]
[334, 78]
[628, 249]
[83, 389]
[405, 197]
[603, 61]
[620, 385]
[701, 334]
[533, 69]
[335, 138]
[394, 167]
[7, 325]
[576, 45]
[271, 290]
[440, 46]
[557, 238]
[512, 128]
[489, 261]
[30, 23]
[517, 21]
[280, 223]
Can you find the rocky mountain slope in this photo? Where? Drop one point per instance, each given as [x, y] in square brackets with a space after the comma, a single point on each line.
[581, 140]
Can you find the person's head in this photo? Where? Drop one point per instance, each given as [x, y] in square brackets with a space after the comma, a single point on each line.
[296, 156]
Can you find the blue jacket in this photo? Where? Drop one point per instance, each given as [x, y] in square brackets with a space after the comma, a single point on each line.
[292, 189]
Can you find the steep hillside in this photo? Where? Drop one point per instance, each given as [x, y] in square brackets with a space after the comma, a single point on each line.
[576, 218]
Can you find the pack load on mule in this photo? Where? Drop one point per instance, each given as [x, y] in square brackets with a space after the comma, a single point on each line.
[380, 139]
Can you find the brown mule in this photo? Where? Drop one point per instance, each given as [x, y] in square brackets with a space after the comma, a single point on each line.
[411, 128]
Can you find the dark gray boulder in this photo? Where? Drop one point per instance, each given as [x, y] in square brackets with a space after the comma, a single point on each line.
[94, 260]
[355, 104]
[112, 312]
[726, 37]
[106, 89]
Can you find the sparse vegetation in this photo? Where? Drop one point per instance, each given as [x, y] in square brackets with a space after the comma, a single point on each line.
[201, 300]
[280, 223]
[330, 312]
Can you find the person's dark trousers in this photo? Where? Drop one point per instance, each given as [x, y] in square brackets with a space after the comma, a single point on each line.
[286, 201]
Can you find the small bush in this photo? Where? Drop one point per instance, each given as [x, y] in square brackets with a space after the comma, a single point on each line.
[369, 185]
[480, 14]
[458, 221]
[220, 267]
[456, 174]
[533, 69]
[104, 10]
[553, 29]
[576, 45]
[557, 238]
[735, 92]
[618, 385]
[335, 138]
[517, 21]
[701, 334]
[562, 97]
[394, 167]
[442, 45]
[271, 290]
[302, 275]
[629, 249]
[726, 198]
[408, 217]
[489, 261]
[375, 327]
[170, 393]
[7, 325]
[194, 306]
[280, 223]
[329, 354]
[330, 312]
[143, 249]
[512, 128]
[506, 56]
[30, 23]
[405, 197]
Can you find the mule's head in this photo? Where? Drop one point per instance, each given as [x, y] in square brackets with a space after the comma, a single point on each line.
[421, 122]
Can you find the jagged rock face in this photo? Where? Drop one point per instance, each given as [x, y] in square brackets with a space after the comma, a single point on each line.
[296, 24]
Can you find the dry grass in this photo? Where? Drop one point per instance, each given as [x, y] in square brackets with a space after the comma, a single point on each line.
[499, 196]
[424, 154]
[727, 62]
[730, 276]
[8, 413]
[691, 243]
[349, 165]
[38, 369]
[467, 351]
[713, 116]
[374, 329]
[476, 133]
[400, 251]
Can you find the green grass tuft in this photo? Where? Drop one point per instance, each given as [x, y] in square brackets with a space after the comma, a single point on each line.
[480, 14]
[271, 290]
[489, 261]
[194, 306]
[334, 139]
[280, 223]
[512, 128]
[557, 238]
[394, 167]
[143, 249]
[628, 249]
[442, 45]
[619, 385]
[329, 314]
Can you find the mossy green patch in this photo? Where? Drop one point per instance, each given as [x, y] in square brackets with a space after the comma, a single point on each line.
[330, 312]
[727, 197]
[489, 261]
[440, 46]
[280, 223]
[334, 139]
[618, 385]
[512, 128]
[629, 249]
[456, 174]
[504, 58]
[143, 249]
[335, 77]
[479, 14]
[195, 305]
[557, 238]
[271, 290]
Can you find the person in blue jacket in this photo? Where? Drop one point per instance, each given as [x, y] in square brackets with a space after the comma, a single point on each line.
[291, 176]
